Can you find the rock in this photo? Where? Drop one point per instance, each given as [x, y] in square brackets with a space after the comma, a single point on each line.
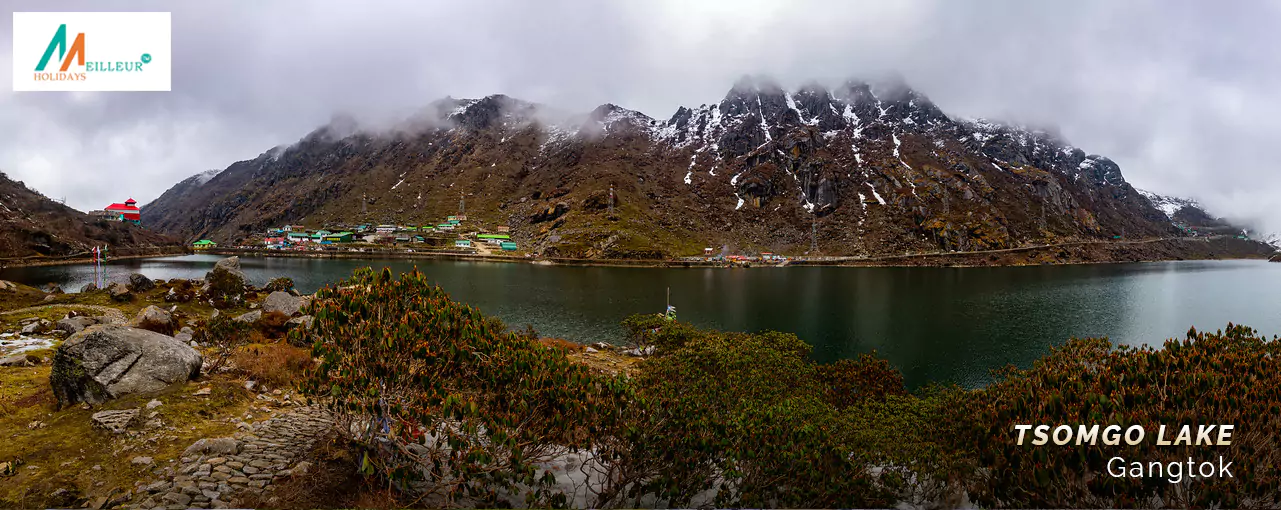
[108, 361]
[119, 292]
[177, 498]
[590, 350]
[213, 446]
[641, 351]
[19, 360]
[283, 302]
[1275, 258]
[202, 392]
[301, 468]
[52, 288]
[281, 284]
[139, 282]
[142, 461]
[154, 404]
[601, 345]
[39, 327]
[226, 280]
[185, 338]
[186, 330]
[250, 317]
[73, 325]
[115, 421]
[89, 287]
[36, 425]
[152, 318]
[250, 385]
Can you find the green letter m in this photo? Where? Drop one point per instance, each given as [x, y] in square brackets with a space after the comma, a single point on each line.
[59, 43]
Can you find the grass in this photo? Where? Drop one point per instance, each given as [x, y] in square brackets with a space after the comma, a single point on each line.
[65, 450]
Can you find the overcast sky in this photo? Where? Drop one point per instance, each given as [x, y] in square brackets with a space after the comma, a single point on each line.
[1184, 95]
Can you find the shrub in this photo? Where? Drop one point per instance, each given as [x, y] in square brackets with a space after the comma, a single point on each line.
[850, 381]
[742, 415]
[282, 284]
[1229, 377]
[223, 334]
[451, 407]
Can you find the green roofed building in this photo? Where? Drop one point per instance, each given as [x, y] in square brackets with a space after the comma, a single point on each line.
[340, 237]
[493, 236]
[508, 246]
[204, 244]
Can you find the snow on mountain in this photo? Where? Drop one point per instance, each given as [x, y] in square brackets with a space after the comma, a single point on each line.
[205, 176]
[1169, 205]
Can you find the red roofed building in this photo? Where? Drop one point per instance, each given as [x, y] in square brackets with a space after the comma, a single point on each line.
[127, 211]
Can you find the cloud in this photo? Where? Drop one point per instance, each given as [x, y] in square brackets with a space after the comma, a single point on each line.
[1180, 93]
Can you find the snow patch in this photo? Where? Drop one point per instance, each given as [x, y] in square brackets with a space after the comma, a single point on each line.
[688, 180]
[879, 200]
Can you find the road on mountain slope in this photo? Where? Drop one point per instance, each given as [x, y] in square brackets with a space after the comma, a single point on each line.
[999, 250]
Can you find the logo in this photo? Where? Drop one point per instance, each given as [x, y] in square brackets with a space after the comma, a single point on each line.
[91, 51]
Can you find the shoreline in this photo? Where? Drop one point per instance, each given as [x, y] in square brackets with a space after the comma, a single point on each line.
[77, 259]
[1219, 250]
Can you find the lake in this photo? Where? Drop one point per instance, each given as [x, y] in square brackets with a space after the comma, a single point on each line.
[934, 324]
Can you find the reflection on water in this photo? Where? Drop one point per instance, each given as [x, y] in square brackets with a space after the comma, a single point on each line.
[935, 324]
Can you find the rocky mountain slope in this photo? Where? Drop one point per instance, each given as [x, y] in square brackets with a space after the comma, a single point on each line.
[858, 169]
[1188, 212]
[32, 224]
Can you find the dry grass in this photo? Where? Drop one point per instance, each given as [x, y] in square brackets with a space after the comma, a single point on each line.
[65, 449]
[562, 343]
[274, 365]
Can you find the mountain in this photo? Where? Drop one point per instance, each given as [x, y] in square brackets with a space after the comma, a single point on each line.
[858, 169]
[1187, 212]
[32, 224]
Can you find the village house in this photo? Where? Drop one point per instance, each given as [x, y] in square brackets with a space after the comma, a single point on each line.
[127, 212]
[203, 244]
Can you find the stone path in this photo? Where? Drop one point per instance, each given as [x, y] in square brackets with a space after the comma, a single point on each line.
[214, 472]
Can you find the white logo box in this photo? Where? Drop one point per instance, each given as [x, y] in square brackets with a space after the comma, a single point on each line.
[123, 51]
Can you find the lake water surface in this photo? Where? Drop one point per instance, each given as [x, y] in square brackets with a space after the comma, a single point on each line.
[934, 324]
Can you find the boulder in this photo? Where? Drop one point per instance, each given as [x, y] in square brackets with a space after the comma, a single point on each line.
[19, 360]
[226, 280]
[52, 288]
[108, 361]
[152, 318]
[115, 421]
[303, 320]
[250, 317]
[119, 292]
[213, 446]
[73, 325]
[89, 287]
[283, 302]
[39, 327]
[139, 282]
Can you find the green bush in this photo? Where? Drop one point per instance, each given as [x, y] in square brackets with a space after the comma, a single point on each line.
[1228, 377]
[453, 407]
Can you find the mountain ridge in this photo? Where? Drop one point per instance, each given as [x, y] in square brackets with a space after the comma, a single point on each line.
[33, 225]
[860, 169]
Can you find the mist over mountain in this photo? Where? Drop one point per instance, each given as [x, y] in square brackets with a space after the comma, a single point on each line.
[855, 169]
